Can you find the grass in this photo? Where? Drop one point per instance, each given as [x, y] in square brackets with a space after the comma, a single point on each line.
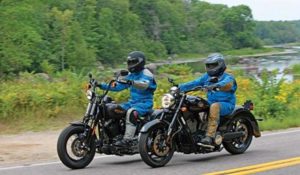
[294, 44]
[190, 56]
[296, 69]
[275, 124]
[35, 121]
[235, 52]
[251, 51]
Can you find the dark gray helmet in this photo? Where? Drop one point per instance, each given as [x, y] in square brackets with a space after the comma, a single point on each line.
[215, 64]
[136, 61]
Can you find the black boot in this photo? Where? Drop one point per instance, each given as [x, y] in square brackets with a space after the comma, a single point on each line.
[123, 143]
[207, 140]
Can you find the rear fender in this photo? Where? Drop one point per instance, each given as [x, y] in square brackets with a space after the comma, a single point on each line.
[240, 111]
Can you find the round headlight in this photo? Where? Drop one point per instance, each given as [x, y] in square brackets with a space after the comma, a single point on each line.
[167, 101]
[89, 94]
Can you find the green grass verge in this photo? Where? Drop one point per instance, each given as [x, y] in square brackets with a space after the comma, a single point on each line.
[275, 124]
[251, 51]
[296, 69]
[294, 44]
[36, 121]
[190, 56]
[236, 52]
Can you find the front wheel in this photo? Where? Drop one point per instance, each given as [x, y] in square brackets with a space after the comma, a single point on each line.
[241, 144]
[74, 149]
[153, 147]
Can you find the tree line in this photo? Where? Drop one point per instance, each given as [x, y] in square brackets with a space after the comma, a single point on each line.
[278, 32]
[53, 35]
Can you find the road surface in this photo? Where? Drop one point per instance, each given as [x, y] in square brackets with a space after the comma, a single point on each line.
[273, 153]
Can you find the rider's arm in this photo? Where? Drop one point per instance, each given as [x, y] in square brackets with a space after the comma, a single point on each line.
[117, 87]
[192, 84]
[146, 81]
[226, 84]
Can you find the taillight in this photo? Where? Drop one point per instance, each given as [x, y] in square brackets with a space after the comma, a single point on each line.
[251, 107]
[248, 105]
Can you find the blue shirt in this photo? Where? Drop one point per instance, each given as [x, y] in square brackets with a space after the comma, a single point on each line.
[214, 96]
[137, 94]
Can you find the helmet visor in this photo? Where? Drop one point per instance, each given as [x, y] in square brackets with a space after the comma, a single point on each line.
[132, 61]
[210, 66]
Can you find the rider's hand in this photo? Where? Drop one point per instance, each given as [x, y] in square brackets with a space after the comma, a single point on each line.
[87, 87]
[212, 87]
[113, 84]
[130, 82]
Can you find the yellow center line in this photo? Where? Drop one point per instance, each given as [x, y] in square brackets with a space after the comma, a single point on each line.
[259, 167]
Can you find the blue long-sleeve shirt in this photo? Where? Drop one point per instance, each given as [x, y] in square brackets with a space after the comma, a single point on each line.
[137, 94]
[214, 96]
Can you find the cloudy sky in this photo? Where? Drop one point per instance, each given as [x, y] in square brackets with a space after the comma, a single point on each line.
[268, 9]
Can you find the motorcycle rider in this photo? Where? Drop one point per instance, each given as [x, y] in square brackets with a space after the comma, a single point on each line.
[142, 85]
[222, 101]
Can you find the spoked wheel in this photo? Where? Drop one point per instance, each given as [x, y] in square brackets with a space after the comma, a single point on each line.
[154, 148]
[73, 149]
[241, 144]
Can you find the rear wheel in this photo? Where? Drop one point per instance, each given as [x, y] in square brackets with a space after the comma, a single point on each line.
[241, 144]
[153, 147]
[73, 148]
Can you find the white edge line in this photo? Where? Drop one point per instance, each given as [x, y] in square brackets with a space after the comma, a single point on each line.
[279, 133]
[46, 163]
[106, 156]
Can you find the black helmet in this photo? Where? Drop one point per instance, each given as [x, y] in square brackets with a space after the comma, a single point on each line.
[215, 64]
[136, 61]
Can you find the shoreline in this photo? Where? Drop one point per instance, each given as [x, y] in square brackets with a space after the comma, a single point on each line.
[287, 51]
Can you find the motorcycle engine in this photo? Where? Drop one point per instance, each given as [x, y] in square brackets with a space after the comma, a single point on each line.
[114, 128]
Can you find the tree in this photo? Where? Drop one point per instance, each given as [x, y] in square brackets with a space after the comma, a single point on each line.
[19, 34]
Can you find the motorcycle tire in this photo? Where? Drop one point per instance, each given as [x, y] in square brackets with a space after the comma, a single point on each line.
[64, 154]
[240, 145]
[145, 149]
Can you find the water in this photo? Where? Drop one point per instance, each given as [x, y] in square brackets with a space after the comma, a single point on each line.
[280, 63]
[254, 66]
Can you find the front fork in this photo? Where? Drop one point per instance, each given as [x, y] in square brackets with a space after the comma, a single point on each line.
[172, 125]
[91, 123]
[182, 125]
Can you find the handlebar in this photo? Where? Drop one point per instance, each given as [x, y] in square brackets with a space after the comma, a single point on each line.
[94, 83]
[202, 88]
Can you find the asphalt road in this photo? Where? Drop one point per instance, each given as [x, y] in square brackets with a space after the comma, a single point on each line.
[272, 146]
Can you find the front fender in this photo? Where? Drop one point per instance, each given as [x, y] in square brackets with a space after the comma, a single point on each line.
[156, 113]
[77, 123]
[152, 123]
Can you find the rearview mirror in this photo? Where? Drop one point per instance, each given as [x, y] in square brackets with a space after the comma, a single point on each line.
[124, 72]
[170, 80]
[90, 75]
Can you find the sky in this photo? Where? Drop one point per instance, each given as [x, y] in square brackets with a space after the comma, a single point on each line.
[266, 10]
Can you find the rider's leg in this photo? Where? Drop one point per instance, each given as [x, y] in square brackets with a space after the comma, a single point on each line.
[135, 111]
[131, 118]
[216, 110]
[214, 115]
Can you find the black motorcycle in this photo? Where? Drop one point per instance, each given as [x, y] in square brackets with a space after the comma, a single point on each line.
[98, 131]
[182, 123]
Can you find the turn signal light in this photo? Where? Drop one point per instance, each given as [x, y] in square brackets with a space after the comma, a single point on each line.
[183, 109]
